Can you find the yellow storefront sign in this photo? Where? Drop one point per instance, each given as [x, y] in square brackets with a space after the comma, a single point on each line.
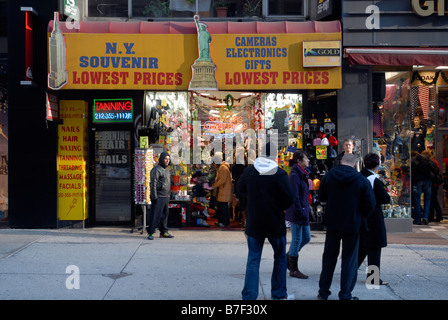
[164, 61]
[72, 159]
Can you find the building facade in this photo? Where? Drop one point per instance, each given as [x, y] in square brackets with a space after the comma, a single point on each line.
[110, 79]
[122, 74]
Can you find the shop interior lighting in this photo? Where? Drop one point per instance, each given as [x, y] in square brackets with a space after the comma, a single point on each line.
[442, 67]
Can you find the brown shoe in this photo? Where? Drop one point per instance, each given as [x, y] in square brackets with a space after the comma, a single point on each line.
[294, 269]
[298, 274]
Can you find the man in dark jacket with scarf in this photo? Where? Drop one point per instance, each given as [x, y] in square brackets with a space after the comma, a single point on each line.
[160, 189]
[269, 194]
[349, 200]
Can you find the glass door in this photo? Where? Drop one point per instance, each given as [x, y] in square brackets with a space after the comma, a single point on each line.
[112, 174]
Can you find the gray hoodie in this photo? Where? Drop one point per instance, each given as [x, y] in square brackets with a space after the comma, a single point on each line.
[265, 166]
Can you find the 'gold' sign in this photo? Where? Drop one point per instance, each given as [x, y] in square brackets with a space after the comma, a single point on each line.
[429, 7]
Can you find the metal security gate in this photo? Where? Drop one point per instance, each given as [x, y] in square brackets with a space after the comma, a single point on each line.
[112, 176]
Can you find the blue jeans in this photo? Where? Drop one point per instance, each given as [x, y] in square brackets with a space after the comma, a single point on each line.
[300, 236]
[278, 278]
[417, 189]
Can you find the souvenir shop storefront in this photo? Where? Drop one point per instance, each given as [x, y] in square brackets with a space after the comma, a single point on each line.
[128, 91]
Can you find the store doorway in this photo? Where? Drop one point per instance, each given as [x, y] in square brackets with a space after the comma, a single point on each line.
[111, 172]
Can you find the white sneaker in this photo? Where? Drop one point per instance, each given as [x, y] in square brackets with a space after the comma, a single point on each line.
[288, 297]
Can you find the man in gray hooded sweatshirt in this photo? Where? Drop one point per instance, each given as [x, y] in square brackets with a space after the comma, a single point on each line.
[269, 194]
[160, 188]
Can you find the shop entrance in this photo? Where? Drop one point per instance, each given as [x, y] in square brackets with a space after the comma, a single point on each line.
[111, 174]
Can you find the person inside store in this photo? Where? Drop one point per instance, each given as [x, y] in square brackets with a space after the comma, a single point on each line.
[348, 146]
[437, 181]
[223, 184]
[418, 135]
[374, 237]
[269, 194]
[211, 177]
[349, 200]
[160, 191]
[299, 213]
[422, 168]
[239, 164]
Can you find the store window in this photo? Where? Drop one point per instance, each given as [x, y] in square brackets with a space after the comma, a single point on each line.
[441, 140]
[286, 8]
[429, 97]
[209, 122]
[392, 141]
[443, 106]
[107, 8]
[166, 124]
[150, 9]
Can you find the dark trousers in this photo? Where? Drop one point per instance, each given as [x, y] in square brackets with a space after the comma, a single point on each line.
[158, 215]
[223, 216]
[435, 205]
[349, 265]
[373, 256]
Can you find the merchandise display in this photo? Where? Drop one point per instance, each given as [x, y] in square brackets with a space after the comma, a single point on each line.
[143, 164]
[392, 142]
[171, 119]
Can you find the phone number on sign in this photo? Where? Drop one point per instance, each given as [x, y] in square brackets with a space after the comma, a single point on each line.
[113, 116]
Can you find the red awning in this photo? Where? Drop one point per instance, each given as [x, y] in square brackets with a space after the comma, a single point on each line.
[398, 56]
[214, 27]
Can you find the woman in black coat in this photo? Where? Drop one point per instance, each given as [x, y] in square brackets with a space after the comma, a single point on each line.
[299, 213]
[374, 236]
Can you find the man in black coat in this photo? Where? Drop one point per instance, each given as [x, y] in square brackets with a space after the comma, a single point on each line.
[160, 189]
[349, 200]
[269, 194]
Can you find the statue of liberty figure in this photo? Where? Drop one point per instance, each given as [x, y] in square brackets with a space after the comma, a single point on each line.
[204, 40]
[203, 69]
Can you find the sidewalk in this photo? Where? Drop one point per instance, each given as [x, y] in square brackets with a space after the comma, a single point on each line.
[115, 264]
